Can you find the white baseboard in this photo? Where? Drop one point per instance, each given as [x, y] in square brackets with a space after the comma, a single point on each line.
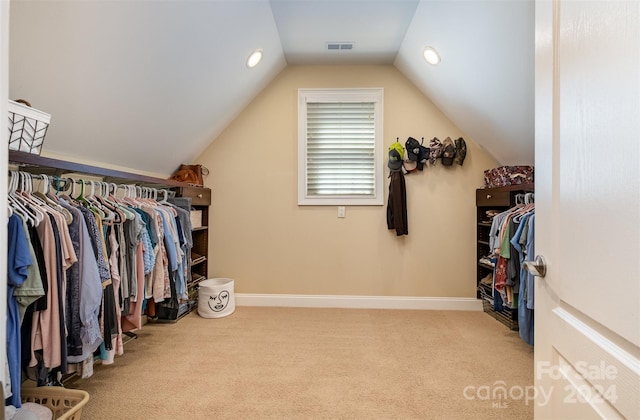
[359, 302]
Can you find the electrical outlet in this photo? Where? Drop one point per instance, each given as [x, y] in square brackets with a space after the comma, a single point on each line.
[341, 211]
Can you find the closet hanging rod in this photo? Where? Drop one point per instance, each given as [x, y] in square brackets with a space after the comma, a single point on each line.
[30, 163]
[55, 183]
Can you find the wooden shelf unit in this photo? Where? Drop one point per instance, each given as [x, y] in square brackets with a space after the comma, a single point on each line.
[200, 202]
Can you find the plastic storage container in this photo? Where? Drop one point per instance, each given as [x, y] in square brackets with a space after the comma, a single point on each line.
[216, 298]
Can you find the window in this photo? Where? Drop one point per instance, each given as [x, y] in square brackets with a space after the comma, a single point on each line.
[340, 147]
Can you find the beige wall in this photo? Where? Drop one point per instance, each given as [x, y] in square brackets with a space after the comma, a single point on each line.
[260, 237]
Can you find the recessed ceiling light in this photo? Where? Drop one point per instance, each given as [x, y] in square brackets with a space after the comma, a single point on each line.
[254, 58]
[431, 55]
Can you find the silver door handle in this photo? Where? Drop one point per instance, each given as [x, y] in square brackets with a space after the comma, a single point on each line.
[537, 267]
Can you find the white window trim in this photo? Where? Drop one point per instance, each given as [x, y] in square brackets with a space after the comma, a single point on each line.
[340, 95]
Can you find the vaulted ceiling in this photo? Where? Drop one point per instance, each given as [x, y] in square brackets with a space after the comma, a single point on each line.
[149, 84]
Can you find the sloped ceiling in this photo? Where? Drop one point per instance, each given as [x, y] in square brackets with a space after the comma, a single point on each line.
[485, 82]
[149, 84]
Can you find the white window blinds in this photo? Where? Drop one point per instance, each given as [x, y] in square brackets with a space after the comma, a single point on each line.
[340, 148]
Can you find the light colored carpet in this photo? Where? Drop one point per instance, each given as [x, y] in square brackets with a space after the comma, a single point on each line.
[300, 363]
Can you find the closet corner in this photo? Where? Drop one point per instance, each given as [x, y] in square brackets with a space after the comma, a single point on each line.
[499, 301]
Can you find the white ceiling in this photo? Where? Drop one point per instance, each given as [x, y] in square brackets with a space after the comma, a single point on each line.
[149, 84]
[376, 29]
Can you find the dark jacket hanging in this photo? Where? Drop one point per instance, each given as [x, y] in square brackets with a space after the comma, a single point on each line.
[397, 204]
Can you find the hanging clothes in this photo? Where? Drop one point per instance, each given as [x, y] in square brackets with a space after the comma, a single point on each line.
[183, 224]
[397, 204]
[32, 289]
[45, 331]
[93, 262]
[133, 232]
[83, 292]
[525, 311]
[38, 304]
[176, 291]
[18, 262]
[117, 343]
[511, 239]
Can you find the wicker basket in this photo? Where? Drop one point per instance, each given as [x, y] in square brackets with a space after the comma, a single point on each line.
[66, 404]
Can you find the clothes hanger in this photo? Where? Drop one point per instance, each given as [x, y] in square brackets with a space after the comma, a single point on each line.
[80, 198]
[38, 202]
[144, 194]
[38, 206]
[130, 196]
[57, 179]
[53, 200]
[46, 197]
[18, 206]
[519, 199]
[165, 197]
[21, 211]
[523, 210]
[118, 204]
[69, 184]
[35, 197]
[44, 193]
[164, 203]
[85, 201]
[128, 200]
[153, 197]
[117, 214]
[96, 206]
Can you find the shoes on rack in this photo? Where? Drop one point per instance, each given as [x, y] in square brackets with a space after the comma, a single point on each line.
[486, 261]
[488, 279]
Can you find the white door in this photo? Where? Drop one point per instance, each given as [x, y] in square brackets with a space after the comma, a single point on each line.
[587, 227]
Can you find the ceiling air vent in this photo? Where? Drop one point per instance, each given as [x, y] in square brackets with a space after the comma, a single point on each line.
[335, 46]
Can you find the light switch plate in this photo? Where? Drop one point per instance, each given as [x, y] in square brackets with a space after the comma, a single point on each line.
[341, 211]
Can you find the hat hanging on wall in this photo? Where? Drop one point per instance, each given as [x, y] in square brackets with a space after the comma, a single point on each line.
[396, 156]
[435, 150]
[461, 151]
[448, 152]
[413, 149]
[416, 152]
[423, 156]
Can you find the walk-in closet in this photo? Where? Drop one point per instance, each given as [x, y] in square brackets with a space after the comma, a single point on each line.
[284, 209]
